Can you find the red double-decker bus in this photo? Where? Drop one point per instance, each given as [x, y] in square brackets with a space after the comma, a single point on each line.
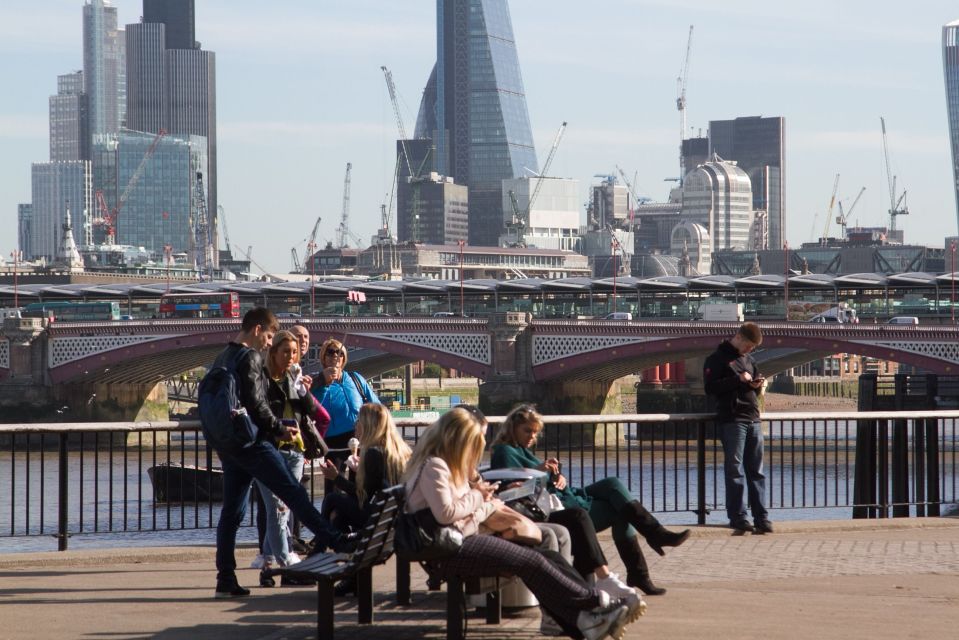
[200, 305]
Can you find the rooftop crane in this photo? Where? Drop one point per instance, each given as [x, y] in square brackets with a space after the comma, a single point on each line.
[521, 222]
[896, 207]
[632, 192]
[832, 203]
[681, 105]
[843, 216]
[343, 231]
[221, 219]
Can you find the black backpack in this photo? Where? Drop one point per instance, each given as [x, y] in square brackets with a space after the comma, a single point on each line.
[226, 424]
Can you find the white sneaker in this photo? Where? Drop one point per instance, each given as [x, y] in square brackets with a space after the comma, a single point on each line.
[616, 588]
[548, 626]
[604, 621]
[294, 557]
[258, 562]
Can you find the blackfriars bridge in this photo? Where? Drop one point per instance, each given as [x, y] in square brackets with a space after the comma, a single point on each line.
[114, 370]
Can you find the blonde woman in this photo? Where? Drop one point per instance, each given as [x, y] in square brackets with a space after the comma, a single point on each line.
[607, 501]
[441, 476]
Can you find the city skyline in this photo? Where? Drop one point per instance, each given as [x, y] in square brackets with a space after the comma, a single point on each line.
[300, 94]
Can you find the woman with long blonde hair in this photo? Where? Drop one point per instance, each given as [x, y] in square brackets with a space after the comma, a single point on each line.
[441, 476]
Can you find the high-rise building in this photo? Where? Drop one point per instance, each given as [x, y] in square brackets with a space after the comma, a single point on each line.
[179, 17]
[69, 120]
[440, 215]
[950, 69]
[102, 65]
[718, 196]
[160, 207]
[553, 221]
[171, 83]
[474, 108]
[56, 186]
[611, 203]
[757, 144]
[24, 221]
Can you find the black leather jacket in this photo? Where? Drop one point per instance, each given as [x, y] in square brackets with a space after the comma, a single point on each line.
[736, 401]
[253, 385]
[279, 391]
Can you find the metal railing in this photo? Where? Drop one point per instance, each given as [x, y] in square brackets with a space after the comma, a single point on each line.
[73, 479]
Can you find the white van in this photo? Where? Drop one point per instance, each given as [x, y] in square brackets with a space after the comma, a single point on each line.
[913, 320]
[619, 315]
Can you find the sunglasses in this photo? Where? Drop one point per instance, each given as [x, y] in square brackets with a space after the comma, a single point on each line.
[333, 352]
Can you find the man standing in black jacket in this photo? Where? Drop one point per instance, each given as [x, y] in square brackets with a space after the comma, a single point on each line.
[259, 460]
[732, 379]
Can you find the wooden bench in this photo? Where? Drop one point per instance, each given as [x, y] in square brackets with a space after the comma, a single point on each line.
[374, 547]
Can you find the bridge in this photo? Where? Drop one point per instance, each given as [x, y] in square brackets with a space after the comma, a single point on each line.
[566, 365]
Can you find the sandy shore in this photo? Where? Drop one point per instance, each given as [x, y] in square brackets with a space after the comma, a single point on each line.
[786, 402]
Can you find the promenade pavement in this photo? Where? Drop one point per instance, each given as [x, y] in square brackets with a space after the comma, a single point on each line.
[840, 579]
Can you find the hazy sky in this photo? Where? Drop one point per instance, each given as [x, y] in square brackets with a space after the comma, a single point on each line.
[300, 93]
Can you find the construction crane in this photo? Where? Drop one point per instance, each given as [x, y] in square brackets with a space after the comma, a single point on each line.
[832, 203]
[843, 216]
[896, 207]
[109, 218]
[248, 254]
[221, 219]
[681, 105]
[632, 192]
[310, 248]
[522, 221]
[203, 257]
[343, 231]
[391, 88]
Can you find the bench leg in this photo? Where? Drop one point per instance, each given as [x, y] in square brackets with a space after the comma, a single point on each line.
[324, 609]
[403, 596]
[455, 609]
[494, 606]
[364, 593]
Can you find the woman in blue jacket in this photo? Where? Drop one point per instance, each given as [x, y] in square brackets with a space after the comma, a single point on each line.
[341, 393]
[608, 501]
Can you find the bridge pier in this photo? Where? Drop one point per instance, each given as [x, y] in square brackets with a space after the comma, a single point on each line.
[98, 402]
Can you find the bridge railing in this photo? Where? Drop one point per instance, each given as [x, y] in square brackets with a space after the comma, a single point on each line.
[66, 480]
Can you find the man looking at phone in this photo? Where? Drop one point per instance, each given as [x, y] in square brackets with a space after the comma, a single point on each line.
[732, 379]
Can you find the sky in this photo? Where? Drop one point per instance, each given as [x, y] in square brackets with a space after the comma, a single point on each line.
[300, 93]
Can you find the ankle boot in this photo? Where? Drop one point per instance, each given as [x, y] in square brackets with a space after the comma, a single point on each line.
[637, 571]
[657, 536]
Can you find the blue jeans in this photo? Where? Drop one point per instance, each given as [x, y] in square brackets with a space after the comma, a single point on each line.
[263, 462]
[743, 449]
[276, 542]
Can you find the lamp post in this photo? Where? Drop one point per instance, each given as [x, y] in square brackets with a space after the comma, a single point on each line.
[612, 251]
[17, 255]
[952, 305]
[461, 243]
[310, 250]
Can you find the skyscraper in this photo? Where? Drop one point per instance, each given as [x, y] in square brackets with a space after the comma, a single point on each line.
[950, 69]
[757, 145]
[55, 186]
[474, 108]
[102, 63]
[69, 120]
[179, 17]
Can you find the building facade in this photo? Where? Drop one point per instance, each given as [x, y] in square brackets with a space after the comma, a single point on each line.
[553, 220]
[757, 145]
[474, 108]
[439, 214]
[55, 186]
[69, 120]
[179, 17]
[950, 70]
[718, 196]
[610, 203]
[24, 222]
[103, 66]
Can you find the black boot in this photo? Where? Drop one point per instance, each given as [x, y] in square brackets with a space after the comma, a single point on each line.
[637, 572]
[657, 536]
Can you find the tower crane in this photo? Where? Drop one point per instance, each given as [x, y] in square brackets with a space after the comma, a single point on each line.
[221, 219]
[521, 222]
[896, 207]
[843, 216]
[109, 218]
[832, 203]
[681, 105]
[343, 231]
[632, 192]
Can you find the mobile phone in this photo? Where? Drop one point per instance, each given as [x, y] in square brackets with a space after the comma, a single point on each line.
[288, 422]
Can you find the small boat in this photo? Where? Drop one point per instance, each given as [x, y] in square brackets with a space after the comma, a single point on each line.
[173, 482]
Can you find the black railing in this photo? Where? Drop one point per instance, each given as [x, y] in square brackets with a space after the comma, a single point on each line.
[69, 480]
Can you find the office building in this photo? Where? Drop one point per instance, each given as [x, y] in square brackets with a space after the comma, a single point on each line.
[69, 120]
[179, 18]
[610, 203]
[695, 152]
[950, 70]
[718, 196]
[160, 207]
[171, 83]
[691, 242]
[24, 221]
[553, 220]
[421, 162]
[757, 145]
[54, 187]
[433, 210]
[474, 108]
[103, 66]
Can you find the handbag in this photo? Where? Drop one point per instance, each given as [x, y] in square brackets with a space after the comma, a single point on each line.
[313, 444]
[418, 537]
[511, 525]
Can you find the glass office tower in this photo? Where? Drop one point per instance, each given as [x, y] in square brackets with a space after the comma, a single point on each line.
[950, 69]
[474, 108]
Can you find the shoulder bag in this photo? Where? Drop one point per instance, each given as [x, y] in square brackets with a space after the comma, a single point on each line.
[513, 526]
[420, 538]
